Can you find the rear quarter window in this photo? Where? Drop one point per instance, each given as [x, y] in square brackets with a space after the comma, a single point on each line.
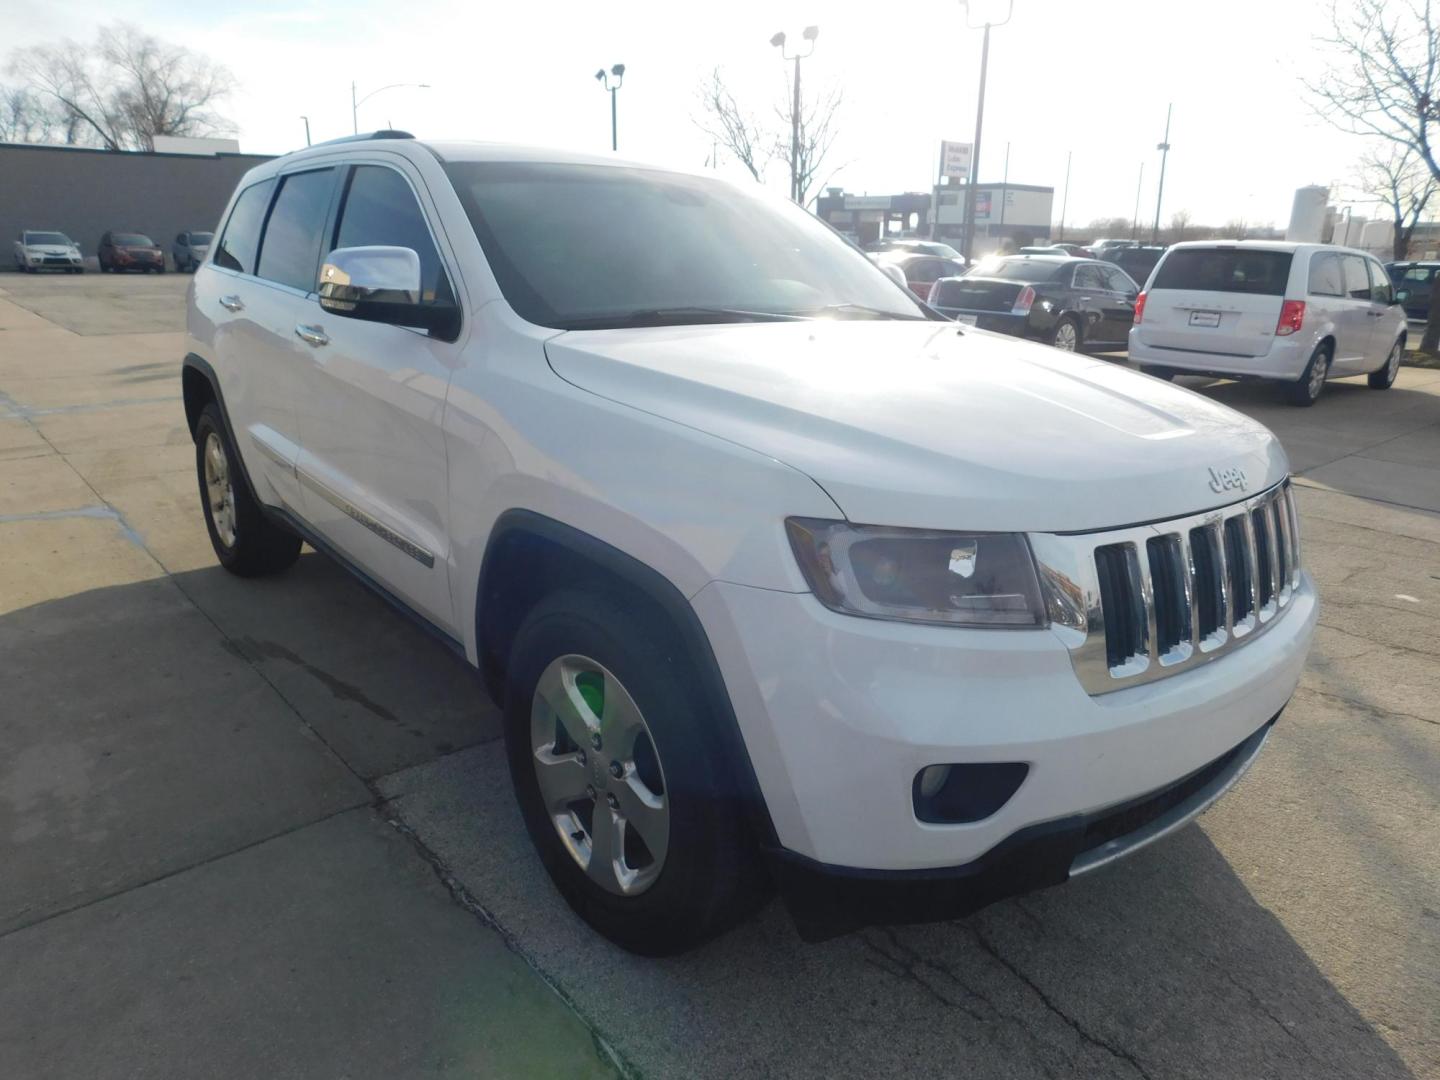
[1232, 270]
[242, 232]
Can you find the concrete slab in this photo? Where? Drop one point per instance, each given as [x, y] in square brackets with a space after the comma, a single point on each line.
[47, 557]
[1420, 448]
[1388, 481]
[103, 303]
[329, 952]
[18, 439]
[378, 689]
[136, 744]
[1129, 973]
[39, 483]
[159, 423]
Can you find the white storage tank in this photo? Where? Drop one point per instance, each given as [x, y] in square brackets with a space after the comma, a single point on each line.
[1307, 215]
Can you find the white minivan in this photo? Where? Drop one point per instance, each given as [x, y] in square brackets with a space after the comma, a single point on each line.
[1296, 313]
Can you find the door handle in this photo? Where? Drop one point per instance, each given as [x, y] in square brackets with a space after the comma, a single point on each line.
[232, 303]
[311, 335]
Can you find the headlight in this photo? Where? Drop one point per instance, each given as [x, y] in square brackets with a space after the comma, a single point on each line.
[915, 575]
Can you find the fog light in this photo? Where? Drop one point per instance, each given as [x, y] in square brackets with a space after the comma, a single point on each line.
[932, 779]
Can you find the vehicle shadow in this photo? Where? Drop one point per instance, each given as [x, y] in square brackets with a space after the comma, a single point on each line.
[152, 725]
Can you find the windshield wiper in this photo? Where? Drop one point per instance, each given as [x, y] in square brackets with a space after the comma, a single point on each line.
[676, 316]
[860, 311]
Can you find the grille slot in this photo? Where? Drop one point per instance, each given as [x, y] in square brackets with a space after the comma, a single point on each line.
[1122, 601]
[1238, 569]
[1207, 584]
[1264, 552]
[1167, 584]
[1280, 528]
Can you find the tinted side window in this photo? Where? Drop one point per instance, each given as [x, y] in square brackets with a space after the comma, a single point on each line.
[290, 251]
[1325, 278]
[1088, 277]
[242, 232]
[1381, 290]
[1225, 269]
[381, 209]
[1118, 281]
[925, 271]
[1357, 282]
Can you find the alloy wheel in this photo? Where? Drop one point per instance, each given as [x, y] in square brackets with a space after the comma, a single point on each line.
[1065, 337]
[599, 775]
[1392, 365]
[1317, 374]
[219, 490]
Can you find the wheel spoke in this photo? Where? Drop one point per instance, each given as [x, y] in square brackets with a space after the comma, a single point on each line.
[622, 724]
[557, 689]
[607, 846]
[646, 813]
[562, 778]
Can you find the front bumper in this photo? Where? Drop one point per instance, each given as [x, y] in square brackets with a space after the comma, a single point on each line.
[840, 713]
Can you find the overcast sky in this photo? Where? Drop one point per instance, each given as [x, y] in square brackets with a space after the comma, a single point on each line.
[1090, 77]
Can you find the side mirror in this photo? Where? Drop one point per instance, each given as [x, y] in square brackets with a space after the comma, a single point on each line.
[1401, 295]
[382, 284]
[895, 274]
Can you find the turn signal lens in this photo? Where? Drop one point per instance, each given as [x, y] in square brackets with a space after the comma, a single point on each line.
[1292, 315]
[1024, 301]
[1139, 308]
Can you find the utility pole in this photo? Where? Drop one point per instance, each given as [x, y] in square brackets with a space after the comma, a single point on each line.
[1065, 199]
[810, 34]
[1135, 224]
[1164, 149]
[307, 129]
[967, 245]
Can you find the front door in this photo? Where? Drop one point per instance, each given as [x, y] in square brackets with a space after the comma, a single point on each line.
[373, 464]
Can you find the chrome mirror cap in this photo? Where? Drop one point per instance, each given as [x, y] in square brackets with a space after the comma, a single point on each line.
[376, 275]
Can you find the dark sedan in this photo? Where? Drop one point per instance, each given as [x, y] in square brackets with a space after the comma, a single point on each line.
[129, 251]
[1417, 279]
[1065, 302]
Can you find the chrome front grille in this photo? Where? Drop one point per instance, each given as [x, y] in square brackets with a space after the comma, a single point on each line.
[1138, 604]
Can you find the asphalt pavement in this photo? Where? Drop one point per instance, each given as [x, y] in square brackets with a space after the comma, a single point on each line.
[264, 828]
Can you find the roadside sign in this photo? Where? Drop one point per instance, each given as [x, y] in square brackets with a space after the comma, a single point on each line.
[955, 160]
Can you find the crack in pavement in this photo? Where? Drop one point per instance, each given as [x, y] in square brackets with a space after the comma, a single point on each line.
[906, 964]
[1373, 710]
[101, 513]
[1118, 1052]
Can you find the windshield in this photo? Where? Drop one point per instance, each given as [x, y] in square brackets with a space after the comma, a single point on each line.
[595, 246]
[200, 239]
[131, 239]
[47, 238]
[1018, 269]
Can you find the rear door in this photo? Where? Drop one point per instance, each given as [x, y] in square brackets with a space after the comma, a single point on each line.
[373, 464]
[1092, 299]
[1119, 303]
[1356, 320]
[1223, 300]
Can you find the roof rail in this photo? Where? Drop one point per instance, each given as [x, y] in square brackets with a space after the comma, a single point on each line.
[383, 133]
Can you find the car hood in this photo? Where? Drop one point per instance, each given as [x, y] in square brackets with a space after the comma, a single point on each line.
[921, 424]
[48, 249]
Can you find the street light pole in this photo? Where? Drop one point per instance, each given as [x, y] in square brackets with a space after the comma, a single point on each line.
[1164, 148]
[1135, 223]
[355, 105]
[603, 78]
[1065, 199]
[967, 245]
[307, 129]
[810, 34]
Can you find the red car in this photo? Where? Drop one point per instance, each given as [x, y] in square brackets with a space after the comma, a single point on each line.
[130, 251]
[922, 271]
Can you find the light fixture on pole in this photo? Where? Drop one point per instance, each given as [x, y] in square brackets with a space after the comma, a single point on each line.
[967, 242]
[810, 34]
[355, 105]
[603, 78]
[1164, 148]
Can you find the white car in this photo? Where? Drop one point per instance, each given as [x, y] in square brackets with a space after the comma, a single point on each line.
[1296, 313]
[36, 250]
[775, 576]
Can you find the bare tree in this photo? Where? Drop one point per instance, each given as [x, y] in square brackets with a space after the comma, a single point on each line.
[126, 88]
[1179, 222]
[1384, 82]
[1236, 229]
[817, 131]
[730, 125]
[1396, 177]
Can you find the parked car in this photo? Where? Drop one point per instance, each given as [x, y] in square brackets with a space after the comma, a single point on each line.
[1137, 261]
[1072, 249]
[190, 249]
[1417, 281]
[1296, 313]
[130, 251]
[1055, 299]
[922, 271]
[916, 247]
[1103, 249]
[39, 249]
[623, 480]
[1048, 249]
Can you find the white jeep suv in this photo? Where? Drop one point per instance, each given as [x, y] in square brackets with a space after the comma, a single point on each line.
[776, 576]
[1297, 313]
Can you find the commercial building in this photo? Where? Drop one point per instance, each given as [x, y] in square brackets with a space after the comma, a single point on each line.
[83, 192]
[1020, 213]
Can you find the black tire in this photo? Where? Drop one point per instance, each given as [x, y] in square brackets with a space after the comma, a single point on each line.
[1306, 390]
[259, 545]
[160, 269]
[711, 876]
[1168, 374]
[1385, 377]
[1058, 334]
